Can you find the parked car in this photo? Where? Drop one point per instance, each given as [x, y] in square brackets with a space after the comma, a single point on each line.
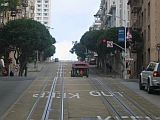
[56, 60]
[150, 77]
[92, 61]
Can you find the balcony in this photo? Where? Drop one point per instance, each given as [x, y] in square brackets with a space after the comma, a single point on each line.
[137, 26]
[135, 5]
[136, 47]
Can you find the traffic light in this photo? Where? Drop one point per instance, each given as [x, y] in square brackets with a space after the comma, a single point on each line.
[9, 59]
[127, 63]
[128, 71]
[104, 41]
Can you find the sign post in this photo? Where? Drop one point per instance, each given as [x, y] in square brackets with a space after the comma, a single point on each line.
[158, 49]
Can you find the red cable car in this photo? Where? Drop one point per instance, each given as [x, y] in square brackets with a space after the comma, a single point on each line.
[79, 69]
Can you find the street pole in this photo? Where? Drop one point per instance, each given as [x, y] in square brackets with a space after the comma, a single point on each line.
[37, 61]
[125, 49]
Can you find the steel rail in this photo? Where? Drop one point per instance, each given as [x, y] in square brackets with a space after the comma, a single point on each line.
[143, 111]
[116, 98]
[42, 90]
[62, 96]
[111, 106]
[49, 100]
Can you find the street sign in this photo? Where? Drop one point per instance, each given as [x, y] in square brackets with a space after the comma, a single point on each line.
[129, 58]
[123, 54]
[158, 47]
[85, 53]
[109, 43]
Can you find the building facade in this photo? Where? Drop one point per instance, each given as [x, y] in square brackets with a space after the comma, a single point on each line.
[42, 12]
[114, 13]
[145, 16]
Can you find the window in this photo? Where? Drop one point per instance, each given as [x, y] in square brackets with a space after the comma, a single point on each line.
[45, 18]
[38, 1]
[45, 22]
[38, 9]
[45, 10]
[151, 67]
[45, 14]
[38, 14]
[46, 5]
[148, 32]
[149, 9]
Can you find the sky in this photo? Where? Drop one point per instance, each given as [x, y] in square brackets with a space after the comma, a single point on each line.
[70, 20]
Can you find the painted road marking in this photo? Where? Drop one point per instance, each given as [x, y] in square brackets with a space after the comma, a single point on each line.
[127, 117]
[74, 95]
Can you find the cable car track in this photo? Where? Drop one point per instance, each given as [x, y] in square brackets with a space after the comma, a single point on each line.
[118, 105]
[47, 109]
[58, 96]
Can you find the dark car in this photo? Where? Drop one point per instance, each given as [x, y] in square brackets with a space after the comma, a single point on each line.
[56, 60]
[92, 61]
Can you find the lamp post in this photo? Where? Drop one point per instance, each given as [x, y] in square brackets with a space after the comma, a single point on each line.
[125, 52]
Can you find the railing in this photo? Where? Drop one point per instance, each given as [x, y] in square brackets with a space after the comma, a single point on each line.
[137, 25]
[136, 6]
[136, 47]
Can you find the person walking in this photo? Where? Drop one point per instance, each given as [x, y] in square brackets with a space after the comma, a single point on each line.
[110, 68]
[1, 65]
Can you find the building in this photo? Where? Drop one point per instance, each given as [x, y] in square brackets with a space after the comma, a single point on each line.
[145, 17]
[42, 12]
[113, 13]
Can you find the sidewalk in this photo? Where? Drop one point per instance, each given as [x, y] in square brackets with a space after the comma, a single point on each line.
[108, 73]
[38, 68]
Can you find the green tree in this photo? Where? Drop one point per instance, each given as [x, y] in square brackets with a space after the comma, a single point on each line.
[9, 5]
[49, 51]
[79, 50]
[26, 36]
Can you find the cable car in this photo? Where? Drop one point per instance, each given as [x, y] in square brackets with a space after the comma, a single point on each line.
[79, 69]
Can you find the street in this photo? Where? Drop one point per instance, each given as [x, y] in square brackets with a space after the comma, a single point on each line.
[73, 98]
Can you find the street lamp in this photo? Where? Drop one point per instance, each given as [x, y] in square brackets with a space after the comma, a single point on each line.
[125, 52]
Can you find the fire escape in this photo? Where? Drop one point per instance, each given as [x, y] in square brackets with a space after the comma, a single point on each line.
[136, 7]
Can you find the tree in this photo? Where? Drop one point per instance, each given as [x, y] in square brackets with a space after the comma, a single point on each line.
[90, 39]
[79, 50]
[8, 5]
[49, 51]
[26, 36]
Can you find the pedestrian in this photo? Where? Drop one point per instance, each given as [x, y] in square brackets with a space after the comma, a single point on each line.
[81, 72]
[34, 63]
[110, 68]
[1, 65]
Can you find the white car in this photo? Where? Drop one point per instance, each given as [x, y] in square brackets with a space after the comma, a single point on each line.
[150, 77]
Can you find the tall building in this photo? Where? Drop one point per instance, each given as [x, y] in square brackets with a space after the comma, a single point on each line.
[42, 12]
[145, 17]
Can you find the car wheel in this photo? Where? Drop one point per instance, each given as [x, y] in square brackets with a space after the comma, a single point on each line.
[141, 87]
[149, 88]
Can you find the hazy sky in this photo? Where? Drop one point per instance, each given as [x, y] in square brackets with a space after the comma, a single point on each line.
[70, 20]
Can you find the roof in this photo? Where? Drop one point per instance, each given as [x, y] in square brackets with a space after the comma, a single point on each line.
[79, 64]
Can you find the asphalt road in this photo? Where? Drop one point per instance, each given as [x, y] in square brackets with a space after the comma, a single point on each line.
[133, 85]
[11, 88]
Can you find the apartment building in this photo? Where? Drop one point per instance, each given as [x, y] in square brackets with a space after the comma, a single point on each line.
[42, 12]
[145, 17]
[114, 13]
